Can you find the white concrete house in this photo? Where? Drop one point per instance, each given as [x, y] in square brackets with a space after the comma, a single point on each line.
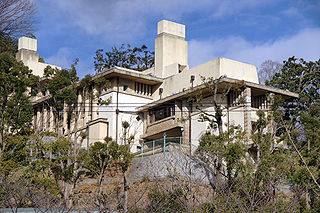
[155, 101]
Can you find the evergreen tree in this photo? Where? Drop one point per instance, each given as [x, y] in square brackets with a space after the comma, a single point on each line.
[61, 85]
[17, 85]
[132, 58]
[301, 119]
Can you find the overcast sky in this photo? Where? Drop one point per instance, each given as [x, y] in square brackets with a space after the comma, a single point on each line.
[250, 31]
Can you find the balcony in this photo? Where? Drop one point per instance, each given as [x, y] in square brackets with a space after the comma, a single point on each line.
[170, 125]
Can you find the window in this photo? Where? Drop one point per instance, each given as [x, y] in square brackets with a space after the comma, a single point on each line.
[143, 89]
[69, 121]
[148, 89]
[234, 98]
[162, 112]
[259, 102]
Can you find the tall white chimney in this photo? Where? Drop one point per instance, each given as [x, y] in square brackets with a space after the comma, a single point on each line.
[27, 53]
[171, 49]
[27, 50]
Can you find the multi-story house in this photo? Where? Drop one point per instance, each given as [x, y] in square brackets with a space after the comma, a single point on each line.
[162, 100]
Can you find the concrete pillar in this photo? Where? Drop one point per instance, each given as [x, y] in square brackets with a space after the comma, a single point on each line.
[145, 120]
[51, 117]
[53, 120]
[95, 110]
[94, 106]
[38, 124]
[80, 110]
[45, 118]
[42, 118]
[86, 114]
[178, 109]
[247, 111]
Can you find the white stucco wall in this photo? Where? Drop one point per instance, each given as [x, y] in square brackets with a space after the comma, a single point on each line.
[38, 67]
[197, 129]
[214, 68]
[238, 70]
[97, 132]
[236, 117]
[127, 107]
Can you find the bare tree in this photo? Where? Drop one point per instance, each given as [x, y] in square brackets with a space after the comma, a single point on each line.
[17, 17]
[267, 70]
[215, 89]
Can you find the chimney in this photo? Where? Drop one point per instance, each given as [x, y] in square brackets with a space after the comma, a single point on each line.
[171, 49]
[27, 50]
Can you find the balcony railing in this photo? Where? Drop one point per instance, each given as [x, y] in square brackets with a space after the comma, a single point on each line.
[165, 144]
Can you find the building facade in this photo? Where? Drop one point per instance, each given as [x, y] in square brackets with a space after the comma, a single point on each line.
[157, 101]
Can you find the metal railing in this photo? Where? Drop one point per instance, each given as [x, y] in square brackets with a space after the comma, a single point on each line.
[165, 144]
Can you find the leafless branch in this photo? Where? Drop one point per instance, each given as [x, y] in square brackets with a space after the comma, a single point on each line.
[17, 17]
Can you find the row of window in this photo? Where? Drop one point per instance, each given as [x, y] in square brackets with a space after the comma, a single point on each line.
[45, 121]
[143, 89]
[259, 102]
[234, 98]
[162, 112]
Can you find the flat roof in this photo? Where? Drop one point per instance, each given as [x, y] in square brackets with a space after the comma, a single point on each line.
[192, 91]
[114, 72]
[129, 74]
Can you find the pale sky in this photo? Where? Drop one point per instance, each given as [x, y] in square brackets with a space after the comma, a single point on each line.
[250, 31]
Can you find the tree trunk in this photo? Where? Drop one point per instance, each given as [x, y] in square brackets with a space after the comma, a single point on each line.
[100, 181]
[2, 145]
[220, 128]
[76, 151]
[218, 116]
[100, 197]
[125, 188]
[125, 136]
[68, 187]
[68, 191]
[57, 125]
[307, 199]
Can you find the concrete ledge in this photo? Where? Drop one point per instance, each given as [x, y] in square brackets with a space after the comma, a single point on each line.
[194, 90]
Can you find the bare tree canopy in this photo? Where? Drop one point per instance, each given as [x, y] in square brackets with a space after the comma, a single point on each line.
[267, 70]
[17, 18]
